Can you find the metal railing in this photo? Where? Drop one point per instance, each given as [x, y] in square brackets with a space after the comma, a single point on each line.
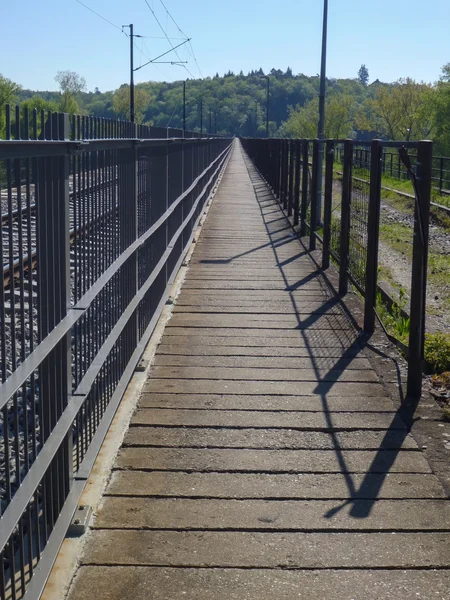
[349, 228]
[392, 166]
[96, 220]
[33, 124]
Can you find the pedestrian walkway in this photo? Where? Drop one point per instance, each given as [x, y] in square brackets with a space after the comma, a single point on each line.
[265, 460]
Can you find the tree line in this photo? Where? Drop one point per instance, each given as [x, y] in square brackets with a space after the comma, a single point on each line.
[235, 104]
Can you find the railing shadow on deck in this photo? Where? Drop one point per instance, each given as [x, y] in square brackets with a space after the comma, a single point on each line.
[360, 499]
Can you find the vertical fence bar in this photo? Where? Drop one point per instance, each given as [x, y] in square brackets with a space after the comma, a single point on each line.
[135, 233]
[296, 199]
[304, 203]
[373, 231]
[419, 269]
[314, 182]
[291, 155]
[328, 199]
[286, 174]
[277, 151]
[345, 218]
[64, 134]
[282, 180]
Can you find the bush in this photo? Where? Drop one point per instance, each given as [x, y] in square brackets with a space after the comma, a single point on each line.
[437, 351]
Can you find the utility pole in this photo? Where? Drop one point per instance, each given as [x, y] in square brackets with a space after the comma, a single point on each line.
[321, 126]
[184, 106]
[154, 60]
[131, 72]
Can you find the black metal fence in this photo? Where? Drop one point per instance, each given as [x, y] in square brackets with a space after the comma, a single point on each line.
[26, 124]
[392, 166]
[348, 229]
[97, 216]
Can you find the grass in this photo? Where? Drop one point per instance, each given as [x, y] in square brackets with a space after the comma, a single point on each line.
[402, 203]
[395, 323]
[399, 238]
[385, 274]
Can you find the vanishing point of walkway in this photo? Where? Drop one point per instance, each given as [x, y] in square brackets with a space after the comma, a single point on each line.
[265, 460]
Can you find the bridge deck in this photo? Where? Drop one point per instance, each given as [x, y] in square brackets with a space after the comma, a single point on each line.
[265, 460]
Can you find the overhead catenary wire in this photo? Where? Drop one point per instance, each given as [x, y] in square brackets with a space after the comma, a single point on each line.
[182, 33]
[163, 54]
[195, 60]
[100, 16]
[172, 19]
[156, 67]
[115, 26]
[166, 36]
[173, 114]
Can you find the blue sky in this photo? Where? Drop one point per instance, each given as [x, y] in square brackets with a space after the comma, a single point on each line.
[394, 38]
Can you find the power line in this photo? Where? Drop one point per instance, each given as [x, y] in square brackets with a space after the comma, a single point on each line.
[117, 27]
[161, 55]
[156, 67]
[101, 17]
[172, 19]
[173, 114]
[195, 60]
[165, 34]
[182, 33]
[160, 37]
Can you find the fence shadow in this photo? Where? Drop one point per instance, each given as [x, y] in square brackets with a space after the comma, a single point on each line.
[351, 340]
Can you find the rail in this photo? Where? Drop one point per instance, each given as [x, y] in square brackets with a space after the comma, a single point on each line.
[107, 221]
[349, 227]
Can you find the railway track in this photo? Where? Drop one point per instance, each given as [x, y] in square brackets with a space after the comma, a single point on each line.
[436, 205]
[23, 219]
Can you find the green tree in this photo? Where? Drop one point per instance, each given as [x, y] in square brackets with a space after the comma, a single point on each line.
[399, 112]
[40, 104]
[9, 91]
[441, 112]
[121, 102]
[71, 85]
[363, 75]
[339, 118]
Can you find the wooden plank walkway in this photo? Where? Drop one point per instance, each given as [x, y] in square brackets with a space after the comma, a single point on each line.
[265, 460]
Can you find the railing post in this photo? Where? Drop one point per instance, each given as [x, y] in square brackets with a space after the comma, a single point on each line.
[285, 173]
[291, 156]
[345, 218]
[296, 199]
[64, 134]
[53, 276]
[135, 194]
[419, 269]
[277, 151]
[327, 205]
[314, 177]
[373, 231]
[304, 203]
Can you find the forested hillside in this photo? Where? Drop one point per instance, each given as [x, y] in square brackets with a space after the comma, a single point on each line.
[236, 104]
